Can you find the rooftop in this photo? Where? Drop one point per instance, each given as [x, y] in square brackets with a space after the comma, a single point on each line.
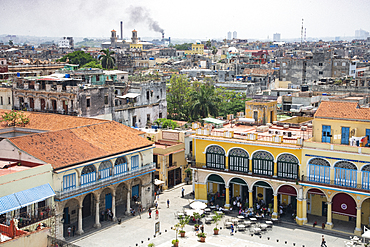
[342, 110]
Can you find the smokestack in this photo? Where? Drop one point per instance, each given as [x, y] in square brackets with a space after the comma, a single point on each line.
[121, 30]
[162, 35]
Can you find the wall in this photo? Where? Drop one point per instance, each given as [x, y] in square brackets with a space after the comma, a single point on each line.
[264, 111]
[36, 239]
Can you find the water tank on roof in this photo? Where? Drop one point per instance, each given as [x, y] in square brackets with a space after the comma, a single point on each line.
[151, 58]
[67, 76]
[324, 94]
[18, 74]
[304, 88]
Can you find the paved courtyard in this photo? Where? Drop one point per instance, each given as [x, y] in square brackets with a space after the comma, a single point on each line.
[135, 231]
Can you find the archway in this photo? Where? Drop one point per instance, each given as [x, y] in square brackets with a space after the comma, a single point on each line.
[263, 194]
[344, 209]
[238, 188]
[365, 177]
[105, 201]
[365, 212]
[263, 163]
[88, 175]
[136, 190]
[287, 198]
[121, 198]
[215, 189]
[70, 215]
[316, 202]
[345, 174]
[319, 170]
[105, 169]
[120, 166]
[88, 205]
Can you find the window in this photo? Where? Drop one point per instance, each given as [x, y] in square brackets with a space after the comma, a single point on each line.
[320, 72]
[335, 64]
[238, 160]
[155, 160]
[135, 162]
[147, 95]
[88, 175]
[9, 101]
[69, 181]
[215, 157]
[263, 163]
[343, 64]
[345, 174]
[284, 71]
[1, 100]
[345, 136]
[106, 99]
[353, 71]
[320, 64]
[87, 102]
[120, 166]
[319, 170]
[326, 133]
[366, 177]
[284, 64]
[287, 166]
[105, 169]
[160, 115]
[148, 118]
[97, 78]
[134, 121]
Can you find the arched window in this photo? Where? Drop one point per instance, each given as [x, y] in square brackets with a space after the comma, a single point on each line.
[238, 160]
[105, 169]
[287, 166]
[263, 163]
[319, 170]
[120, 166]
[88, 175]
[215, 157]
[366, 177]
[345, 174]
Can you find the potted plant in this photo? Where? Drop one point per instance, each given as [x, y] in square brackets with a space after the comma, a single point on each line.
[196, 227]
[182, 222]
[197, 216]
[216, 219]
[202, 236]
[175, 242]
[151, 245]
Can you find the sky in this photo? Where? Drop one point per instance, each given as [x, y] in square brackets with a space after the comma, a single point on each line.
[192, 19]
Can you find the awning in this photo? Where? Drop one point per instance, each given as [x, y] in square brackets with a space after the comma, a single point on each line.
[246, 120]
[8, 203]
[158, 182]
[129, 95]
[36, 194]
[213, 120]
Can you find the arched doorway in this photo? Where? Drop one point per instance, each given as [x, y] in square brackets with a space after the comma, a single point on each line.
[365, 213]
[215, 157]
[287, 166]
[215, 190]
[319, 170]
[263, 163]
[70, 215]
[287, 198]
[88, 205]
[136, 191]
[263, 193]
[316, 202]
[345, 174]
[105, 201]
[121, 198]
[238, 188]
[344, 209]
[238, 160]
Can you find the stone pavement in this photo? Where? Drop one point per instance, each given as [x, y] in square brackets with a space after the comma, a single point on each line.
[140, 232]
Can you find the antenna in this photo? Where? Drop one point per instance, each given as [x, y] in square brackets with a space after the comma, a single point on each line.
[302, 32]
[305, 35]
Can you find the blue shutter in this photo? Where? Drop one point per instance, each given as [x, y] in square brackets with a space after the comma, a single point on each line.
[326, 133]
[368, 137]
[345, 135]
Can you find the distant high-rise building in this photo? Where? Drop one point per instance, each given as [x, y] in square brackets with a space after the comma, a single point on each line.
[361, 34]
[229, 35]
[337, 38]
[276, 37]
[235, 35]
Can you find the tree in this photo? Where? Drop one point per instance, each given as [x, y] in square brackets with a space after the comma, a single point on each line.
[14, 118]
[166, 123]
[185, 46]
[214, 51]
[230, 102]
[11, 43]
[78, 57]
[208, 44]
[93, 64]
[107, 61]
[204, 102]
[178, 98]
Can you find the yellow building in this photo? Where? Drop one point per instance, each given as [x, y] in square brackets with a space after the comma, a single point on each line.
[136, 46]
[196, 49]
[262, 111]
[336, 165]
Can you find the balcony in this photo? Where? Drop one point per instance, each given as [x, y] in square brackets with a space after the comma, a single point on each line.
[336, 147]
[337, 183]
[103, 182]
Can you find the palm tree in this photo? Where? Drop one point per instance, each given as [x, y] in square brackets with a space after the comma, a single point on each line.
[107, 61]
[205, 102]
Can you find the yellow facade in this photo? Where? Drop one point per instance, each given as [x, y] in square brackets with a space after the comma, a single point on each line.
[262, 112]
[136, 46]
[195, 49]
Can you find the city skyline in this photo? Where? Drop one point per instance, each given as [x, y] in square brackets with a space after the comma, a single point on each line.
[197, 20]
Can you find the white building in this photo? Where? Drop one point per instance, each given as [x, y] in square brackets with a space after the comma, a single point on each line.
[276, 37]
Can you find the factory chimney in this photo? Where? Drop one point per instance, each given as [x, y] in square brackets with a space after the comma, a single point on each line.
[121, 30]
[162, 35]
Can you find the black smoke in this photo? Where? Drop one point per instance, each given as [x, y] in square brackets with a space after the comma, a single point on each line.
[141, 15]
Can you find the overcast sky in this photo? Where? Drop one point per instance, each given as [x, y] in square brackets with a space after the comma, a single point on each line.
[194, 19]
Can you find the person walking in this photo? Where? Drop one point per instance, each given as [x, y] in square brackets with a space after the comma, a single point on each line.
[232, 229]
[73, 230]
[168, 203]
[323, 242]
[156, 214]
[150, 213]
[202, 228]
[69, 231]
[182, 192]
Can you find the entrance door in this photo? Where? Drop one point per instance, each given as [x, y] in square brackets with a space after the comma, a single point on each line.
[324, 209]
[86, 206]
[326, 133]
[108, 201]
[345, 135]
[368, 137]
[66, 216]
[135, 191]
[42, 105]
[65, 106]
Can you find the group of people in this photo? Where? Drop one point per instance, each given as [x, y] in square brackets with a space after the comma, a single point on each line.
[106, 214]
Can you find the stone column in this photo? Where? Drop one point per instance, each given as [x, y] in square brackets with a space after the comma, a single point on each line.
[358, 222]
[227, 196]
[275, 170]
[128, 202]
[59, 226]
[250, 198]
[304, 211]
[329, 223]
[79, 225]
[97, 222]
[114, 206]
[275, 213]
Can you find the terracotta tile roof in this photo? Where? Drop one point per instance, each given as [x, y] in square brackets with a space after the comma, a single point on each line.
[258, 72]
[48, 121]
[342, 110]
[66, 147]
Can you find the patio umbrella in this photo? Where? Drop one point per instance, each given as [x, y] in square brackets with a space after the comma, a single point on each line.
[198, 205]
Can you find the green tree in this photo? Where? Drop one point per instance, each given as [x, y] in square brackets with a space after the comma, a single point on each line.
[93, 64]
[78, 57]
[107, 61]
[178, 98]
[230, 102]
[214, 51]
[204, 102]
[11, 43]
[185, 46]
[166, 123]
[208, 44]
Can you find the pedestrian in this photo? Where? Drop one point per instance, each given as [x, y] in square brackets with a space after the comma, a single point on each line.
[150, 213]
[156, 214]
[182, 192]
[69, 231]
[202, 228]
[168, 203]
[73, 230]
[232, 229]
[156, 205]
[323, 242]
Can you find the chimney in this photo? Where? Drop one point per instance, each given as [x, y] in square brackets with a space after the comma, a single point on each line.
[121, 30]
[162, 35]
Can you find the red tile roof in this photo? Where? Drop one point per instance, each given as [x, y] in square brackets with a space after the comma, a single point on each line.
[70, 146]
[342, 110]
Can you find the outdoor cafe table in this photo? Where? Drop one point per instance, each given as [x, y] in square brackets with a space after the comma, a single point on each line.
[208, 220]
[256, 230]
[263, 226]
[207, 210]
[211, 215]
[241, 227]
[228, 224]
[240, 217]
[253, 220]
[235, 221]
[269, 223]
[247, 223]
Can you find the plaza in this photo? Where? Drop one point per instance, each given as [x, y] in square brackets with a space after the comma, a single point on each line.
[139, 230]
